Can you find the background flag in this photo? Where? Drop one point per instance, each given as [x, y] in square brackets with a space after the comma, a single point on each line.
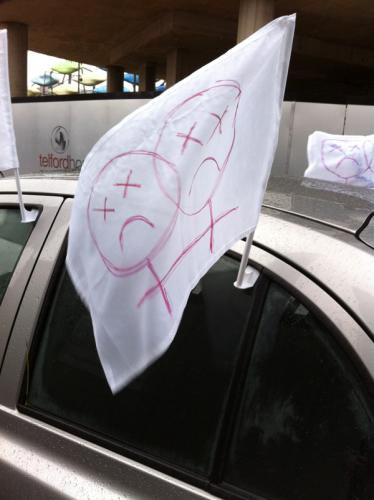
[168, 190]
[341, 158]
[8, 151]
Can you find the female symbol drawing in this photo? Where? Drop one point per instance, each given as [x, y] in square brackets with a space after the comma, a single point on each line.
[137, 197]
[348, 160]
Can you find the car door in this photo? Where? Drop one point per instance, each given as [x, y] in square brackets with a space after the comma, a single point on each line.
[303, 426]
[162, 440]
[172, 432]
[20, 245]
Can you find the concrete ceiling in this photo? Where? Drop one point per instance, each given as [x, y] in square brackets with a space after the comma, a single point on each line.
[90, 30]
[334, 38]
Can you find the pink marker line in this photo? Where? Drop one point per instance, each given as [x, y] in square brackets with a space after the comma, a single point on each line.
[219, 123]
[130, 220]
[160, 287]
[121, 271]
[188, 137]
[337, 147]
[151, 291]
[127, 184]
[368, 162]
[211, 226]
[210, 158]
[105, 210]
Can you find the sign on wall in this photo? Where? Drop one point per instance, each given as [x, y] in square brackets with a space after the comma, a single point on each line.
[56, 136]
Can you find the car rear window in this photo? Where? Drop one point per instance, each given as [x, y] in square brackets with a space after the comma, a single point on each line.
[13, 238]
[173, 411]
[305, 424]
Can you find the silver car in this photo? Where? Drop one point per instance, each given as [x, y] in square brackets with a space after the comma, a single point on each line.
[265, 392]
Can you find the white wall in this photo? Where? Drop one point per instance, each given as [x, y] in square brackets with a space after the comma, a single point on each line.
[300, 119]
[86, 121]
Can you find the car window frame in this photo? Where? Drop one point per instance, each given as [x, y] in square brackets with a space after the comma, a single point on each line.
[126, 450]
[17, 362]
[275, 268]
[135, 473]
[351, 337]
[48, 207]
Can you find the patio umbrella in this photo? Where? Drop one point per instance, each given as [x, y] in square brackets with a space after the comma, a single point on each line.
[131, 78]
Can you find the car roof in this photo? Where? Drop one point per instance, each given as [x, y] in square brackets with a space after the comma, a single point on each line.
[333, 258]
[317, 225]
[340, 205]
[48, 184]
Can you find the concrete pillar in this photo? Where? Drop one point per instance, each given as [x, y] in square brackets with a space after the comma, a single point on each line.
[17, 57]
[147, 77]
[172, 69]
[253, 14]
[182, 62]
[179, 64]
[115, 78]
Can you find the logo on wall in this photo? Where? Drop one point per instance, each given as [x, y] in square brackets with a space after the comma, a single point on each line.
[60, 143]
[59, 139]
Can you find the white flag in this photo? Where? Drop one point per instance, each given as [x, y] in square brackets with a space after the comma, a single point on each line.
[8, 151]
[168, 190]
[341, 158]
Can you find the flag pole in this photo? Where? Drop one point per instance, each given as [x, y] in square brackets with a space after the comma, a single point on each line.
[247, 275]
[20, 199]
[26, 215]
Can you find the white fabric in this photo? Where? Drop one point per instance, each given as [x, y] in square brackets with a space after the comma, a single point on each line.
[341, 158]
[8, 151]
[168, 190]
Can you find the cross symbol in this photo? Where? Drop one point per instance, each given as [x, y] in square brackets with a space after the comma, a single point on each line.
[105, 209]
[219, 122]
[127, 184]
[336, 147]
[189, 137]
[160, 286]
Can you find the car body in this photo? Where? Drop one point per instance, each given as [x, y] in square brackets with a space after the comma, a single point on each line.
[238, 379]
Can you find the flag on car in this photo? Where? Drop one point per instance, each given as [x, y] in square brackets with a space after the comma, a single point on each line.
[168, 190]
[341, 158]
[8, 151]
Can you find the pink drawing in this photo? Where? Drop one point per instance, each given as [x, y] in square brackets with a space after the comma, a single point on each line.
[105, 210]
[214, 136]
[127, 184]
[188, 137]
[133, 220]
[219, 123]
[348, 159]
[194, 143]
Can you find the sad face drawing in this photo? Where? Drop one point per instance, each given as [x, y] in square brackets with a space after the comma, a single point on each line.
[137, 197]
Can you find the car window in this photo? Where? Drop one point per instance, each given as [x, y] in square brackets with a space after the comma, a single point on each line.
[13, 237]
[304, 428]
[173, 411]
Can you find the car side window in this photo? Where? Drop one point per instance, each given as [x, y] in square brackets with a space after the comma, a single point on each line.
[13, 238]
[304, 428]
[173, 411]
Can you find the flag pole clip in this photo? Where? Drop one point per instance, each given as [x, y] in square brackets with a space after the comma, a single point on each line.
[247, 275]
[26, 215]
[249, 279]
